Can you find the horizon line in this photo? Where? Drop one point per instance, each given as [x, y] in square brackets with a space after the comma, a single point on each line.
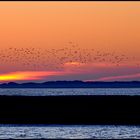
[87, 81]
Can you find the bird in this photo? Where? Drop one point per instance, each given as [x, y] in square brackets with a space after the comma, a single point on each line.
[55, 58]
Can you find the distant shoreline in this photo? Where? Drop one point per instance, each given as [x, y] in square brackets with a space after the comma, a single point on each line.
[73, 84]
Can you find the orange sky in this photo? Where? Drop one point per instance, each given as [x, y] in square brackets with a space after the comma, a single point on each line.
[103, 26]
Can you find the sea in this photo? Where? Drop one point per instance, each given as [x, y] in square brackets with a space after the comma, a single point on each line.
[14, 131]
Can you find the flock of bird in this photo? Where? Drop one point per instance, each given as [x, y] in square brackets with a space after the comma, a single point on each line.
[41, 58]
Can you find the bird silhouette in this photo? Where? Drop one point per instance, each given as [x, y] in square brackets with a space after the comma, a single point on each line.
[35, 58]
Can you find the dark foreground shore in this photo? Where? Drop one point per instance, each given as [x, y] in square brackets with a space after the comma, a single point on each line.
[70, 110]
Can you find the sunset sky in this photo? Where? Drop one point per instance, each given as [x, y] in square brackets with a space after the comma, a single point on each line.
[89, 41]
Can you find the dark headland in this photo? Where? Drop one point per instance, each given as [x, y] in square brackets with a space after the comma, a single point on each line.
[73, 84]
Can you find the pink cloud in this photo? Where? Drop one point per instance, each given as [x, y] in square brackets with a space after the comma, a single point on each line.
[121, 77]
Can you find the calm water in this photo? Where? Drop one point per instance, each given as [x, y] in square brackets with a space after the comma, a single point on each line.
[64, 91]
[67, 131]
[73, 132]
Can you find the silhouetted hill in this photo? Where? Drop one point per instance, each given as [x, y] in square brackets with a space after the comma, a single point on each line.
[73, 84]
